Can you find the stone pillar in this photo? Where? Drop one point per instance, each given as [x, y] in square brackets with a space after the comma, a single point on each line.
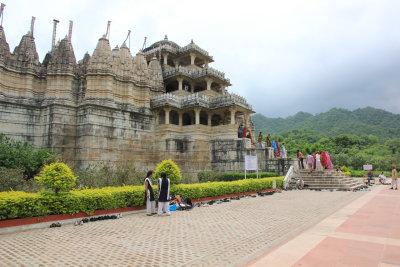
[167, 110]
[156, 117]
[176, 63]
[209, 82]
[180, 113]
[180, 83]
[197, 115]
[165, 57]
[233, 112]
[209, 119]
[192, 87]
[206, 64]
[192, 58]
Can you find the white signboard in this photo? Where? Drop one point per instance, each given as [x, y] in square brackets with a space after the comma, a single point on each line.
[250, 163]
[367, 167]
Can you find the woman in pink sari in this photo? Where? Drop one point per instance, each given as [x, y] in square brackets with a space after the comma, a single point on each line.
[329, 164]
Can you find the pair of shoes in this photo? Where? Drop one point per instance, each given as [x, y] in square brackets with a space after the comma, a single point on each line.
[168, 214]
[391, 188]
[150, 214]
[396, 189]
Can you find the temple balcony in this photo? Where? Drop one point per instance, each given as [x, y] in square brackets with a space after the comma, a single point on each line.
[195, 74]
[199, 100]
[199, 131]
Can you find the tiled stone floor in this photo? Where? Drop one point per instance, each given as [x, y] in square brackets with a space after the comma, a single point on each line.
[363, 233]
[227, 234]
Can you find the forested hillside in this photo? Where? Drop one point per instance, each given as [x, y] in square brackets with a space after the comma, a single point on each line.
[382, 124]
[354, 138]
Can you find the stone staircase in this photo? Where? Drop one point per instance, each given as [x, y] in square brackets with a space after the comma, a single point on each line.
[327, 179]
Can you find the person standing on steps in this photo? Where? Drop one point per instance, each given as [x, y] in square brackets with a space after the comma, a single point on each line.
[149, 195]
[394, 177]
[310, 161]
[300, 156]
[260, 139]
[318, 166]
[163, 194]
[268, 142]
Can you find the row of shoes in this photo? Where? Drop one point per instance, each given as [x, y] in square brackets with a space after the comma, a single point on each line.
[99, 218]
[212, 202]
[57, 224]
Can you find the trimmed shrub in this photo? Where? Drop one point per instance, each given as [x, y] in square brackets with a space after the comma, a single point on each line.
[219, 176]
[212, 189]
[57, 177]
[16, 204]
[171, 169]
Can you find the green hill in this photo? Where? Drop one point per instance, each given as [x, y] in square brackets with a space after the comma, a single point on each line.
[378, 122]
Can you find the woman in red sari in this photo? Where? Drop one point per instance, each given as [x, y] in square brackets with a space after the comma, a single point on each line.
[324, 160]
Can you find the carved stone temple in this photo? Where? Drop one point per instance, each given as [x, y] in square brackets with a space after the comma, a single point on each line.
[166, 102]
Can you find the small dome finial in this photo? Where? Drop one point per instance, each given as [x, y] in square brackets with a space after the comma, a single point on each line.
[166, 37]
[192, 41]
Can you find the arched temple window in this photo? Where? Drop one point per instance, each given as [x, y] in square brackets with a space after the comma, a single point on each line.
[171, 86]
[216, 120]
[174, 117]
[161, 117]
[203, 118]
[188, 118]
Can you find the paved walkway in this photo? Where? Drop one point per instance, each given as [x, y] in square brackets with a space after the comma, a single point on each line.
[227, 234]
[364, 233]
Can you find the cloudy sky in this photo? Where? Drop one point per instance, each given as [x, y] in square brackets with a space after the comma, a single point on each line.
[283, 56]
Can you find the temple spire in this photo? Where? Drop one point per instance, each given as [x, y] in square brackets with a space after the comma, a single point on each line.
[107, 35]
[71, 24]
[128, 38]
[144, 43]
[32, 25]
[2, 6]
[53, 40]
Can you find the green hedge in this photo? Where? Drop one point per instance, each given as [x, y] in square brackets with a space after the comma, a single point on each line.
[220, 176]
[17, 204]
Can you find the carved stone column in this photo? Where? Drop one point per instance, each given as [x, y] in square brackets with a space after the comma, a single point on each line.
[209, 118]
[197, 115]
[209, 82]
[165, 57]
[246, 119]
[192, 87]
[192, 58]
[180, 113]
[167, 110]
[180, 83]
[233, 112]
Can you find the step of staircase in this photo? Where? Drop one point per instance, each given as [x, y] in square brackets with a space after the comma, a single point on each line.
[327, 179]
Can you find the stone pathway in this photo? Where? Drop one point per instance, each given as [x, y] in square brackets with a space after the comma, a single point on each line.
[227, 234]
[364, 233]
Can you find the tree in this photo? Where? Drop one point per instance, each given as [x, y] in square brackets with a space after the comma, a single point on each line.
[57, 177]
[171, 169]
[393, 144]
[21, 155]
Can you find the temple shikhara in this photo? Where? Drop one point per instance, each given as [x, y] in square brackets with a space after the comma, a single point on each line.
[166, 102]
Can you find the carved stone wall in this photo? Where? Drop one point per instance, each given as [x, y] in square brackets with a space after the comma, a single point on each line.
[105, 108]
